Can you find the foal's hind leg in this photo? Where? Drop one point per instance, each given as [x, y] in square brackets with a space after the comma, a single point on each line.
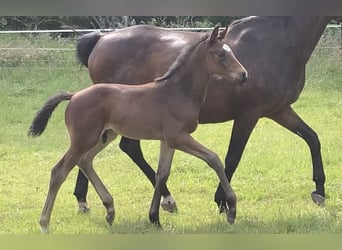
[86, 165]
[101, 190]
[81, 187]
[133, 150]
[58, 176]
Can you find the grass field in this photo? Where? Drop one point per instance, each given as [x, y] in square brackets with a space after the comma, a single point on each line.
[273, 182]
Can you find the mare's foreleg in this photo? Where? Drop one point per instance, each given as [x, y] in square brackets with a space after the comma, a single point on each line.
[242, 129]
[133, 150]
[189, 145]
[163, 172]
[288, 118]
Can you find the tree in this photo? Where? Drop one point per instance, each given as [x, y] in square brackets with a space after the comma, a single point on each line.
[30, 22]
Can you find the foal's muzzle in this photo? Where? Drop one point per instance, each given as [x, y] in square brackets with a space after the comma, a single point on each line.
[244, 78]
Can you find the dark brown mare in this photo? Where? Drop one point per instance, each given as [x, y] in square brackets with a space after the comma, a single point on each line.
[166, 110]
[274, 50]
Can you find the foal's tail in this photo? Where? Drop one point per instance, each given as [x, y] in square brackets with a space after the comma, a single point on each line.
[43, 115]
[85, 45]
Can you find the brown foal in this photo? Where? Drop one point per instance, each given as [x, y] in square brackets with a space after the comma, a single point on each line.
[166, 110]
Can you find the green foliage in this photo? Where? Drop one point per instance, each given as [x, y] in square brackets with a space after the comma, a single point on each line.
[273, 181]
[102, 22]
[185, 21]
[91, 22]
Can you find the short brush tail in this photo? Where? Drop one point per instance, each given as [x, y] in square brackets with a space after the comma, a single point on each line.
[43, 115]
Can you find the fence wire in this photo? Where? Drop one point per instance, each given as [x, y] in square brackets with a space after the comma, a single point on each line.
[45, 50]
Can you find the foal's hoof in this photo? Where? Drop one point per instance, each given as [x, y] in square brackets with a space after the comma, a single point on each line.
[318, 199]
[44, 226]
[83, 207]
[222, 206]
[44, 229]
[110, 219]
[169, 204]
[230, 217]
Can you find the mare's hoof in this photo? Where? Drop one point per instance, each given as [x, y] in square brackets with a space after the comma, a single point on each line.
[230, 220]
[154, 219]
[83, 207]
[318, 199]
[157, 225]
[169, 204]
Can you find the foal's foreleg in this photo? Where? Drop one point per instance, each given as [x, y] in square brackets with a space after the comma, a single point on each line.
[163, 172]
[58, 176]
[189, 145]
[133, 150]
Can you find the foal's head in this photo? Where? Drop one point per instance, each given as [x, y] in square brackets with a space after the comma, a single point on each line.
[221, 59]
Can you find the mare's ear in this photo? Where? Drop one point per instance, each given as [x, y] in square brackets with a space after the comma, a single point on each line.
[214, 35]
[222, 33]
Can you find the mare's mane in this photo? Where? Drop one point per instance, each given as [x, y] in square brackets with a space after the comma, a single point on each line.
[242, 20]
[179, 62]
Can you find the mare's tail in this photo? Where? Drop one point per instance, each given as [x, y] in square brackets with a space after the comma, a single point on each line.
[43, 115]
[85, 45]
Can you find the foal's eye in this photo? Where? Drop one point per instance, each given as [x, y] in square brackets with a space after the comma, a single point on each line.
[221, 55]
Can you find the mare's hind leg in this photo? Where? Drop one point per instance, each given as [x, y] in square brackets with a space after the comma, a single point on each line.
[290, 120]
[242, 129]
[81, 191]
[133, 150]
[58, 176]
[81, 188]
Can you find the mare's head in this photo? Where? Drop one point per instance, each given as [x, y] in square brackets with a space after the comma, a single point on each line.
[221, 59]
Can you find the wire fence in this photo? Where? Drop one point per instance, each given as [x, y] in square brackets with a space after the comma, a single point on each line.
[53, 48]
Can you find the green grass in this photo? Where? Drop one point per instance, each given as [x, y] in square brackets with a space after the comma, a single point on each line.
[272, 183]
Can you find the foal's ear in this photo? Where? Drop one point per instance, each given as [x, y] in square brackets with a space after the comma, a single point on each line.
[222, 33]
[214, 35]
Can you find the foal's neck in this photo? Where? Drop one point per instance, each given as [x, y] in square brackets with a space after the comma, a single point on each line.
[192, 78]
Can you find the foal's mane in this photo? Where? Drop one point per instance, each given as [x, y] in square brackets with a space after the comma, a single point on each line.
[181, 59]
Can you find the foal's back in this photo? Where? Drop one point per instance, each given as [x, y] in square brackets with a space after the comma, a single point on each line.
[135, 111]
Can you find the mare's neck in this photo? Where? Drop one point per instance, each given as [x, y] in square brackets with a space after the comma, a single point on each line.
[296, 35]
[306, 32]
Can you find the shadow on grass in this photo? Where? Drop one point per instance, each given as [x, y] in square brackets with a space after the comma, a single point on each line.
[299, 224]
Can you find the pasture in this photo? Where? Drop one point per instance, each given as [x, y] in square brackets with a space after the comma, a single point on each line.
[273, 181]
